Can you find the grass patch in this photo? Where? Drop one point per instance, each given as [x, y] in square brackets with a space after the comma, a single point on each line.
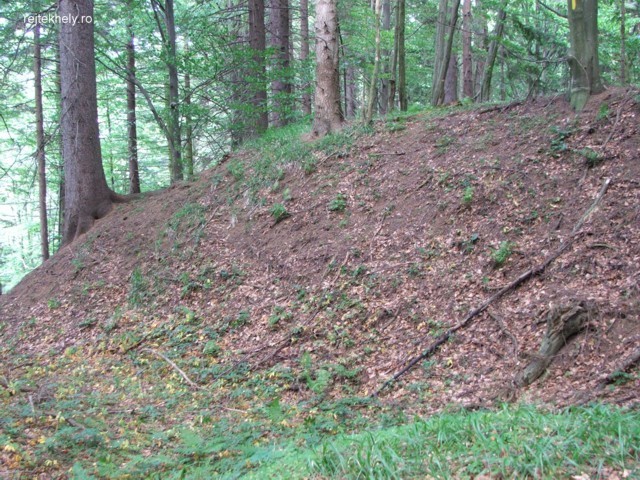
[511, 443]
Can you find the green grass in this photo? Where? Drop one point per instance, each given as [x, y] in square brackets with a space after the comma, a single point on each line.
[521, 442]
[278, 148]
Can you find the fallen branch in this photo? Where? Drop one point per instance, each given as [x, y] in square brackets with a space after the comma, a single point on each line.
[173, 365]
[511, 286]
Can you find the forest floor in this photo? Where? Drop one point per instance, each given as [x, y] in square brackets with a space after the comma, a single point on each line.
[215, 327]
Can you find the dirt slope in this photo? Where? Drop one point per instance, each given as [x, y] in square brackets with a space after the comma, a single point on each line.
[390, 241]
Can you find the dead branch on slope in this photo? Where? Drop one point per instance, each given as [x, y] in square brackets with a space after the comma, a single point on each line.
[532, 272]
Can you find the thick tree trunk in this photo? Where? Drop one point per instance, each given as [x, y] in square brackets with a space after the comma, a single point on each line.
[451, 81]
[350, 91]
[281, 86]
[467, 59]
[87, 196]
[132, 129]
[42, 177]
[61, 186]
[485, 89]
[328, 112]
[583, 57]
[304, 53]
[174, 98]
[257, 42]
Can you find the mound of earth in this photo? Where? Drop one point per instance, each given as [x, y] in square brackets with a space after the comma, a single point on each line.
[351, 261]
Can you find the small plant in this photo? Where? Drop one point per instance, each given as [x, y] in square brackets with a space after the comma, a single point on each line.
[211, 348]
[87, 323]
[501, 254]
[53, 303]
[443, 143]
[236, 169]
[241, 319]
[309, 165]
[138, 288]
[467, 196]
[603, 112]
[279, 212]
[278, 315]
[558, 144]
[592, 158]
[338, 204]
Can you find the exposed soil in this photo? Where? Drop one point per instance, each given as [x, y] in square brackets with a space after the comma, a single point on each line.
[370, 277]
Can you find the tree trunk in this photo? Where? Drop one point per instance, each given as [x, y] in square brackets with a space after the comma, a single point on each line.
[350, 91]
[304, 53]
[402, 76]
[328, 112]
[281, 86]
[467, 62]
[257, 42]
[623, 42]
[480, 33]
[451, 81]
[583, 56]
[61, 186]
[132, 129]
[444, 42]
[373, 86]
[188, 149]
[87, 196]
[42, 178]
[386, 56]
[485, 89]
[174, 99]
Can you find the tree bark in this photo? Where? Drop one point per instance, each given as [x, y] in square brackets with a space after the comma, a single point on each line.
[40, 142]
[87, 196]
[386, 59]
[485, 89]
[132, 129]
[467, 59]
[328, 112]
[373, 86]
[402, 75]
[304, 53]
[188, 147]
[451, 81]
[281, 86]
[174, 98]
[583, 56]
[623, 42]
[257, 42]
[444, 42]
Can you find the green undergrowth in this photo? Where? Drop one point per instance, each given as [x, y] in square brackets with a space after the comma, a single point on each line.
[278, 149]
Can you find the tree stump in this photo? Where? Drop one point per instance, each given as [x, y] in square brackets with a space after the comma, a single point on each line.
[563, 322]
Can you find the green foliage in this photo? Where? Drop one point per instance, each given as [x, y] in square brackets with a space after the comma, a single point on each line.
[591, 157]
[517, 442]
[467, 196]
[279, 212]
[501, 254]
[338, 203]
[138, 288]
[560, 134]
